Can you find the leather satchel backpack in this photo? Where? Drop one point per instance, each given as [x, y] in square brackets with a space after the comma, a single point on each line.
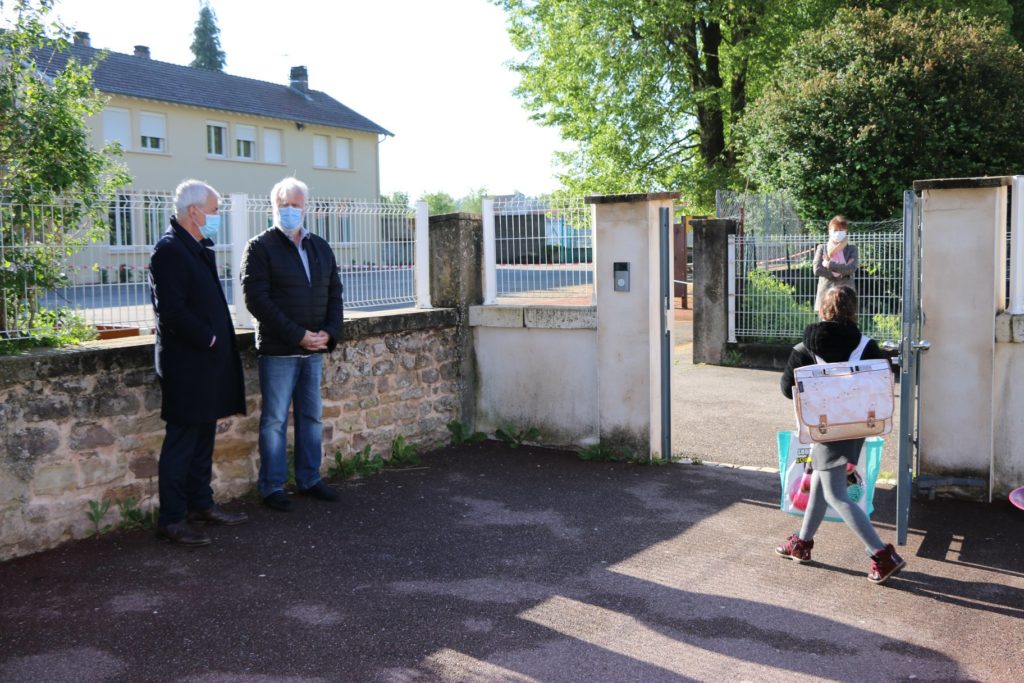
[848, 400]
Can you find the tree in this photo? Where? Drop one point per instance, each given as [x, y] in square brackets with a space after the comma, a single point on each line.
[206, 41]
[473, 202]
[52, 181]
[439, 202]
[651, 90]
[875, 101]
[396, 199]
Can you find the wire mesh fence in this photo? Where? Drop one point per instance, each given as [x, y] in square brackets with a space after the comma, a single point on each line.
[544, 249]
[60, 273]
[774, 285]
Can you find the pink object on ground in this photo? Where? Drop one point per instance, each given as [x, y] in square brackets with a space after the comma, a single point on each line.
[1017, 497]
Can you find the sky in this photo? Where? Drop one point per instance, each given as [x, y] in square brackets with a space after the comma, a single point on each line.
[433, 72]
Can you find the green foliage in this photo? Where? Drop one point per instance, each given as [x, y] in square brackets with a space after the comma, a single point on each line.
[473, 202]
[97, 511]
[439, 203]
[876, 100]
[51, 178]
[604, 452]
[462, 435]
[732, 358]
[134, 517]
[884, 327]
[516, 438]
[770, 305]
[206, 41]
[403, 453]
[364, 463]
[396, 199]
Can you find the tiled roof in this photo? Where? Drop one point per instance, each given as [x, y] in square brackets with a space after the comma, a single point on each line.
[121, 74]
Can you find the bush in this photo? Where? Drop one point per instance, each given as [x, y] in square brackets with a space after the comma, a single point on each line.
[769, 306]
[875, 101]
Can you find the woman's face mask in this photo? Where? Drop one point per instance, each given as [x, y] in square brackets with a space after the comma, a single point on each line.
[838, 235]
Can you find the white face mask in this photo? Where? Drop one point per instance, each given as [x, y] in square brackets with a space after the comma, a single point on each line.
[838, 235]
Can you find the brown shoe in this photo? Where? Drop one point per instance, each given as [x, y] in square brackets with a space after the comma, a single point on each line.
[215, 514]
[182, 534]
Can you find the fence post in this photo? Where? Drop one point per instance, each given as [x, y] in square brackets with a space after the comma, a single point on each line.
[239, 238]
[731, 285]
[422, 256]
[490, 260]
[1017, 247]
[711, 288]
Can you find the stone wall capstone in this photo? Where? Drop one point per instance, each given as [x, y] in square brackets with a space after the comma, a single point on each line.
[83, 424]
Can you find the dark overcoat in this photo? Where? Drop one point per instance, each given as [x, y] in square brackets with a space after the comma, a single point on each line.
[200, 382]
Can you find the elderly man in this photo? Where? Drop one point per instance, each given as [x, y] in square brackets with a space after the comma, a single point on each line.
[197, 362]
[292, 288]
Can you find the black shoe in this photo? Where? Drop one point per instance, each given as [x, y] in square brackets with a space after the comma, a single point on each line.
[321, 491]
[215, 514]
[182, 534]
[278, 500]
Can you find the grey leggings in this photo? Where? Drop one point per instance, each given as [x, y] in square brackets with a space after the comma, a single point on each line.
[828, 487]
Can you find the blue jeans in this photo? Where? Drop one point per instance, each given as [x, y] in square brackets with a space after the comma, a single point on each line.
[290, 381]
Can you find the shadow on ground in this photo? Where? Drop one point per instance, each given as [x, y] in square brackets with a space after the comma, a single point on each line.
[493, 564]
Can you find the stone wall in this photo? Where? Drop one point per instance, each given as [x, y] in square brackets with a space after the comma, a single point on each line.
[81, 425]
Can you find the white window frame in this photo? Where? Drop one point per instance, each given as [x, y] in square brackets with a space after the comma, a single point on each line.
[122, 136]
[325, 162]
[343, 153]
[121, 232]
[153, 132]
[276, 146]
[223, 127]
[245, 142]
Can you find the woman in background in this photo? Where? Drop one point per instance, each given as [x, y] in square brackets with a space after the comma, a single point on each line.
[836, 261]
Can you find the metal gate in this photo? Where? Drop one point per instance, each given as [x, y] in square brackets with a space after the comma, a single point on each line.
[911, 344]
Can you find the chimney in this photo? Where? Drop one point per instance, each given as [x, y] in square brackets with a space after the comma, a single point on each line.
[300, 79]
[142, 51]
[82, 39]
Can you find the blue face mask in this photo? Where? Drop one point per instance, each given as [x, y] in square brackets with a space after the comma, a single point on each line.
[290, 218]
[212, 226]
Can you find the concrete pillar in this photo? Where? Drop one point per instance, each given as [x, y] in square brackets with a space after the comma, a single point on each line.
[710, 288]
[629, 323]
[963, 280]
[456, 281]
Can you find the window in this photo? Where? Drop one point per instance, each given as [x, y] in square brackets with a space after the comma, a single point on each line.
[156, 215]
[153, 131]
[320, 150]
[272, 146]
[331, 221]
[216, 135]
[120, 217]
[245, 142]
[117, 127]
[342, 153]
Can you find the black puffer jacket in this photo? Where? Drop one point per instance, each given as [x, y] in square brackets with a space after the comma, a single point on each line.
[833, 341]
[284, 303]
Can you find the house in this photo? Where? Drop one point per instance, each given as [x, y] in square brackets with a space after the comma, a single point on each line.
[239, 134]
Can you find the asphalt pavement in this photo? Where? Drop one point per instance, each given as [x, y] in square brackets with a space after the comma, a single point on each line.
[488, 563]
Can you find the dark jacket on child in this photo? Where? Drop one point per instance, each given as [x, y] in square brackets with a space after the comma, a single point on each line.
[834, 342]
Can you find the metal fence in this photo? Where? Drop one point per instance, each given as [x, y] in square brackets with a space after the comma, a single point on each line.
[539, 249]
[58, 273]
[772, 286]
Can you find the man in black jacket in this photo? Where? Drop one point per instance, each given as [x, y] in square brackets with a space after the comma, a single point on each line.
[197, 362]
[293, 290]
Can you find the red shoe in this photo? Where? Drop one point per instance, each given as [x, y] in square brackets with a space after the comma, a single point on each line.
[884, 564]
[796, 549]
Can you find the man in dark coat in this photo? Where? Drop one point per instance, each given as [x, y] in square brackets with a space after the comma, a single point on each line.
[293, 290]
[197, 362]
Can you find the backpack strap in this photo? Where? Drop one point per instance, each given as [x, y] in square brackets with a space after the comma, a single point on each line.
[855, 356]
[857, 352]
